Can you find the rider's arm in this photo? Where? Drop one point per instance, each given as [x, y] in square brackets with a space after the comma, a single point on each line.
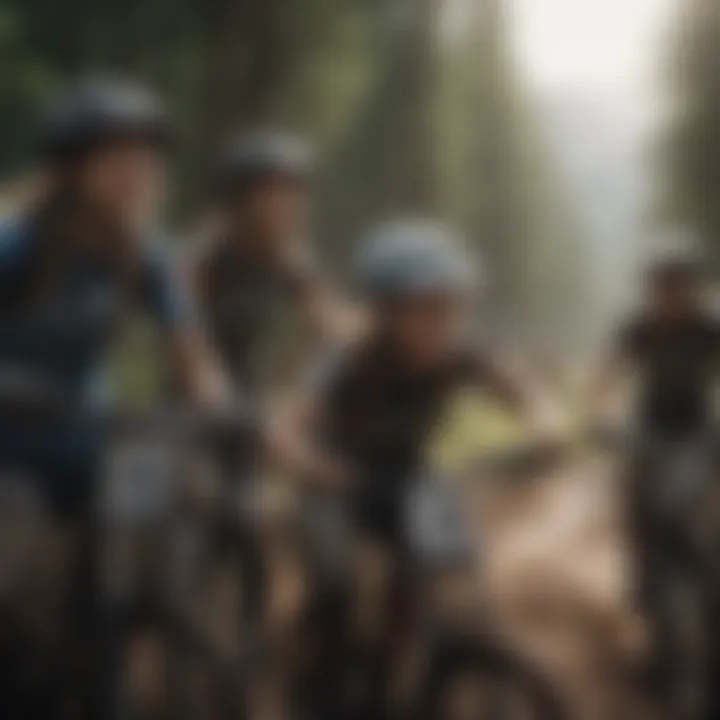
[293, 448]
[525, 399]
[295, 429]
[194, 365]
[201, 378]
[329, 315]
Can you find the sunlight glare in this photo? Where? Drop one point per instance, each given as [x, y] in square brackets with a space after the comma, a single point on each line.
[593, 45]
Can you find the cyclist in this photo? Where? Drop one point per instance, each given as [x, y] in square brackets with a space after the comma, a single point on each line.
[255, 263]
[71, 267]
[359, 433]
[673, 344]
[256, 257]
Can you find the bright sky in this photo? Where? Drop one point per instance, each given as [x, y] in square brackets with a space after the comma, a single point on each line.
[608, 54]
[603, 46]
[610, 49]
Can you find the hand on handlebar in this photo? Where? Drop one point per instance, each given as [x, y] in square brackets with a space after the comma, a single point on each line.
[332, 474]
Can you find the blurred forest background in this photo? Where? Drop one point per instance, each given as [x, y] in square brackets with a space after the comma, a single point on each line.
[559, 135]
[422, 106]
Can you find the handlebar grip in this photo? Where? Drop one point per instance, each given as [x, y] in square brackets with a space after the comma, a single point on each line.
[26, 393]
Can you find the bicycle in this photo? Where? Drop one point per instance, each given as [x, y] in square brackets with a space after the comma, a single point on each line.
[134, 575]
[673, 509]
[439, 628]
[162, 498]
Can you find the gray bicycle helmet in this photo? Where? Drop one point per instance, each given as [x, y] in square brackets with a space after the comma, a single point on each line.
[97, 110]
[255, 156]
[412, 257]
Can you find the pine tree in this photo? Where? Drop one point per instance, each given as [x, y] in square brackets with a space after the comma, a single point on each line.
[693, 149]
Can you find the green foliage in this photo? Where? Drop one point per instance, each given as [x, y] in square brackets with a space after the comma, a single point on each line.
[499, 183]
[271, 60]
[406, 123]
[692, 152]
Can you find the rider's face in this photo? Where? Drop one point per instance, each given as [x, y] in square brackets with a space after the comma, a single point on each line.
[426, 327]
[673, 296]
[124, 180]
[276, 210]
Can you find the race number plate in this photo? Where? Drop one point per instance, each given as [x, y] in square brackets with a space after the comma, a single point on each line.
[438, 530]
[139, 481]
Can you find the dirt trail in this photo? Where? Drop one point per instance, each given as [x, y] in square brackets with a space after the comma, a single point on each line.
[557, 570]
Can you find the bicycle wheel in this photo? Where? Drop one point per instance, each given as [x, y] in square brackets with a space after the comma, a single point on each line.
[471, 679]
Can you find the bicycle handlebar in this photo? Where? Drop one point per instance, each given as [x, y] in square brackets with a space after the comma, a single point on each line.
[519, 460]
[24, 391]
[33, 398]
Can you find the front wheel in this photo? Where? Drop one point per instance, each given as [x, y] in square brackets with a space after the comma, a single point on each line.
[476, 679]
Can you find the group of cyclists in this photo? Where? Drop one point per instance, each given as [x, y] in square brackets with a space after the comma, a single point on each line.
[394, 624]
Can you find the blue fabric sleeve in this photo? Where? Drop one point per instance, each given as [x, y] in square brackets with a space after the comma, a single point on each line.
[15, 250]
[167, 298]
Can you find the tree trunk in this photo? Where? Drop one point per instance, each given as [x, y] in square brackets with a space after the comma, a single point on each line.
[388, 165]
[251, 60]
[494, 202]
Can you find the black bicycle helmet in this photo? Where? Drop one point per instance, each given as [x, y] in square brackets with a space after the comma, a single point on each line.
[411, 257]
[97, 110]
[262, 154]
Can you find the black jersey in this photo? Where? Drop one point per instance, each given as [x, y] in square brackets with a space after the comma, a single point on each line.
[678, 364]
[379, 414]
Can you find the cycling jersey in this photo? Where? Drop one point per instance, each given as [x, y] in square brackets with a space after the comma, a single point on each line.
[678, 364]
[242, 293]
[62, 340]
[379, 417]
